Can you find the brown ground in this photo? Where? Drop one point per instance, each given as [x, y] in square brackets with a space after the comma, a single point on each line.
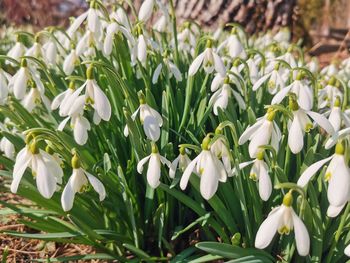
[25, 250]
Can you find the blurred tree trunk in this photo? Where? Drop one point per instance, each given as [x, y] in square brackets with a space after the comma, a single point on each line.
[255, 15]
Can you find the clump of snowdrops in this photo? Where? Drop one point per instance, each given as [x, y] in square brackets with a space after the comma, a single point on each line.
[142, 139]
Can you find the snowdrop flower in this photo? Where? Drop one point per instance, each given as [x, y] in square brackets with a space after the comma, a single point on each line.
[61, 99]
[209, 168]
[302, 91]
[253, 70]
[47, 172]
[121, 17]
[16, 52]
[187, 39]
[86, 44]
[77, 184]
[70, 62]
[154, 166]
[50, 51]
[209, 59]
[94, 23]
[233, 45]
[4, 89]
[34, 98]
[94, 96]
[329, 70]
[274, 78]
[221, 150]
[262, 133]
[301, 123]
[7, 148]
[181, 162]
[329, 94]
[150, 119]
[146, 10]
[313, 65]
[221, 97]
[259, 172]
[172, 69]
[336, 116]
[112, 30]
[36, 50]
[283, 219]
[337, 175]
[78, 122]
[19, 80]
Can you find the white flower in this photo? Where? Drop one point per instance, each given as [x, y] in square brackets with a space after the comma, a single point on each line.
[186, 40]
[261, 133]
[283, 219]
[210, 170]
[347, 250]
[210, 60]
[34, 98]
[4, 89]
[221, 150]
[172, 68]
[275, 81]
[329, 94]
[337, 116]
[302, 91]
[313, 65]
[112, 30]
[45, 169]
[154, 166]
[150, 119]
[337, 175]
[87, 42]
[301, 123]
[93, 95]
[61, 99]
[121, 17]
[146, 10]
[79, 123]
[181, 162]
[222, 95]
[50, 51]
[76, 183]
[19, 82]
[233, 46]
[16, 52]
[258, 172]
[35, 51]
[7, 148]
[70, 61]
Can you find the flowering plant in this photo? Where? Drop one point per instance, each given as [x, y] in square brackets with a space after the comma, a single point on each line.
[164, 122]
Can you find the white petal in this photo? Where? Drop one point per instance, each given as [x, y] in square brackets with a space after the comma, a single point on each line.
[68, 194]
[157, 73]
[188, 171]
[322, 121]
[302, 238]
[268, 228]
[151, 128]
[23, 159]
[76, 24]
[97, 185]
[295, 136]
[261, 137]
[63, 124]
[265, 185]
[141, 163]
[261, 81]
[81, 127]
[45, 181]
[339, 183]
[101, 103]
[334, 211]
[145, 11]
[175, 71]
[153, 171]
[219, 65]
[246, 135]
[196, 64]
[311, 170]
[173, 167]
[142, 49]
[279, 96]
[241, 166]
[209, 178]
[20, 83]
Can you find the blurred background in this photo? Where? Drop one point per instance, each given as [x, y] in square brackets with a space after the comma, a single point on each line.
[321, 24]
